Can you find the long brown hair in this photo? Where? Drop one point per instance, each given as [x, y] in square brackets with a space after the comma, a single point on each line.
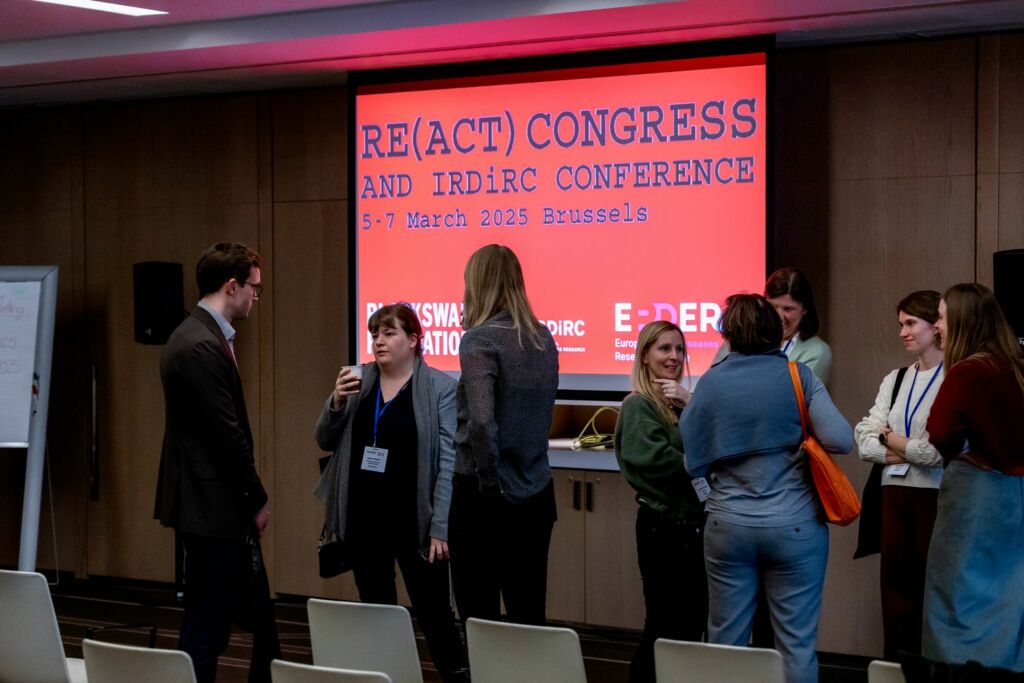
[975, 325]
[494, 283]
[641, 380]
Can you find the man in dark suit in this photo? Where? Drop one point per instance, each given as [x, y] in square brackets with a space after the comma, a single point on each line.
[208, 489]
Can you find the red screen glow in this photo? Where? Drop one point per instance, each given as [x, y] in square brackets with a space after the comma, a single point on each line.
[630, 193]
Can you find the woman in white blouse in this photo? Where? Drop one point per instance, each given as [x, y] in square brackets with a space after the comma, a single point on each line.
[894, 436]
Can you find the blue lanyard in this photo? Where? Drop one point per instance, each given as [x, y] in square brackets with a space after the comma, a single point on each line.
[785, 349]
[379, 410]
[908, 414]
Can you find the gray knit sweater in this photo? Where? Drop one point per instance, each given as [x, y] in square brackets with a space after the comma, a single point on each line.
[504, 402]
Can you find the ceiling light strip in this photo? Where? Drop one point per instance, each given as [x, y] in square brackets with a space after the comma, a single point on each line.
[106, 7]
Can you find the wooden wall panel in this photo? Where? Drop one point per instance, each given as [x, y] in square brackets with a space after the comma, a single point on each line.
[902, 110]
[894, 212]
[801, 113]
[889, 237]
[801, 164]
[1011, 103]
[177, 176]
[310, 146]
[124, 540]
[172, 153]
[265, 226]
[1010, 145]
[40, 225]
[987, 183]
[311, 343]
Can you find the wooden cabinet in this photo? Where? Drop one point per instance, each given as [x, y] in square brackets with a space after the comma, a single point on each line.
[567, 553]
[593, 576]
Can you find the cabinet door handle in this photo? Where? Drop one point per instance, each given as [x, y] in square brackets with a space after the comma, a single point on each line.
[575, 494]
[590, 496]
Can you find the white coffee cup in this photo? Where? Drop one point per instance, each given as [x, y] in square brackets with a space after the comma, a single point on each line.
[356, 370]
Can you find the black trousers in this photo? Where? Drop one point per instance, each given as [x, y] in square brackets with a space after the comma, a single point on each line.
[225, 582]
[671, 558]
[908, 516]
[374, 553]
[499, 550]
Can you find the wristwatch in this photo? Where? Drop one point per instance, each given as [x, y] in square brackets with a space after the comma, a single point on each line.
[881, 438]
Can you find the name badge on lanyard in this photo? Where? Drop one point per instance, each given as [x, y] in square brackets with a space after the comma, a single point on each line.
[899, 470]
[376, 459]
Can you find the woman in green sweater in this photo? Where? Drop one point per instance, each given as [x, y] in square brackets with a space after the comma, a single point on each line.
[670, 517]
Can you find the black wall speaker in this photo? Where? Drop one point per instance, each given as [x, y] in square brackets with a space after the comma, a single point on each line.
[1008, 268]
[159, 300]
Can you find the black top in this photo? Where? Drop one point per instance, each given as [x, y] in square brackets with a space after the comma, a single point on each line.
[380, 501]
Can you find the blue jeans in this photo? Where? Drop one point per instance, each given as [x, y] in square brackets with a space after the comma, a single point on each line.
[791, 561]
[974, 583]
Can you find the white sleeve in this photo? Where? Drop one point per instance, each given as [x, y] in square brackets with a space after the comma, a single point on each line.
[877, 420]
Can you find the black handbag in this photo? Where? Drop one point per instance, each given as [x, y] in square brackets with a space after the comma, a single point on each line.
[869, 533]
[334, 559]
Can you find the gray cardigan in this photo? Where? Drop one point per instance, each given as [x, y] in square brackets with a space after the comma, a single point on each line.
[433, 395]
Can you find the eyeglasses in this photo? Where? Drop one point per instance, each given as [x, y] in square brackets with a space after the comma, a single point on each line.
[256, 289]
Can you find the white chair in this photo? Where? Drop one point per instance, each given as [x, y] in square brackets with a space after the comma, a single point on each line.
[885, 672]
[513, 653]
[364, 637]
[31, 650]
[290, 672]
[112, 663]
[679, 661]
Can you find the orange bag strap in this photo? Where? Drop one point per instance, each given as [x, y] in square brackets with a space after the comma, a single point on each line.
[798, 389]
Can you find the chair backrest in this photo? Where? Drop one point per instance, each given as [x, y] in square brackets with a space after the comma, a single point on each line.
[364, 637]
[513, 653]
[290, 672]
[885, 672]
[31, 650]
[676, 660]
[112, 663]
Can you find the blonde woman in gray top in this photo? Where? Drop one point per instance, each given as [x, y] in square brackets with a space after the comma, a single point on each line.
[503, 503]
[894, 435]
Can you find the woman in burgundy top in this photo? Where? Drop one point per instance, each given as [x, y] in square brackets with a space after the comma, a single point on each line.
[974, 588]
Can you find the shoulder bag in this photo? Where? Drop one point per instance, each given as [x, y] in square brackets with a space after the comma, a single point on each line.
[869, 531]
[838, 499]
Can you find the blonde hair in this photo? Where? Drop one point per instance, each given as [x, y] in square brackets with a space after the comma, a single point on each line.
[494, 283]
[975, 325]
[641, 379]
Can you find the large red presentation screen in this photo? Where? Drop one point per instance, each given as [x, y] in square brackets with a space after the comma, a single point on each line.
[630, 193]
